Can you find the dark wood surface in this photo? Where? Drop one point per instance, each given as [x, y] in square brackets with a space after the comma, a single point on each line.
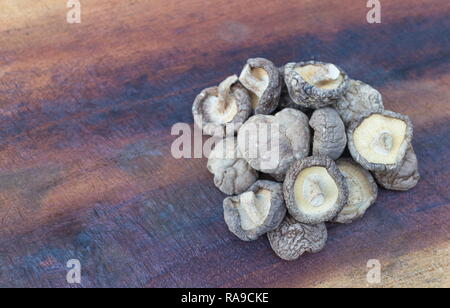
[85, 117]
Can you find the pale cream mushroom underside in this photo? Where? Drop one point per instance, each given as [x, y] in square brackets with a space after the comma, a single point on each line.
[315, 191]
[360, 189]
[379, 138]
[256, 80]
[223, 108]
[254, 208]
[325, 77]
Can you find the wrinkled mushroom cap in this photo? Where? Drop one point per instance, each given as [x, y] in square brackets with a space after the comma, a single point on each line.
[378, 141]
[330, 136]
[404, 178]
[271, 143]
[232, 174]
[363, 191]
[285, 98]
[315, 84]
[263, 80]
[215, 108]
[359, 100]
[255, 212]
[292, 239]
[315, 190]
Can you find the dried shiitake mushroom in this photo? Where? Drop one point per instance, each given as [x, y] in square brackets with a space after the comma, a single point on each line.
[232, 174]
[292, 239]
[263, 80]
[363, 190]
[216, 107]
[255, 212]
[359, 99]
[330, 137]
[271, 143]
[378, 141]
[405, 177]
[315, 190]
[315, 84]
[266, 107]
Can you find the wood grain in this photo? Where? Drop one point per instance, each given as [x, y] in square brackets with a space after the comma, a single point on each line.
[85, 118]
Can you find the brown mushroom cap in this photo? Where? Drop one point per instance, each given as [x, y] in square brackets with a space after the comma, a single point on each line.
[263, 80]
[358, 100]
[315, 190]
[215, 108]
[285, 98]
[404, 178]
[305, 89]
[378, 141]
[255, 212]
[363, 191]
[271, 143]
[232, 174]
[292, 239]
[330, 137]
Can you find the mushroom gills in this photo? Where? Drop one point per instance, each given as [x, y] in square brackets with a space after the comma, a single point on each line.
[222, 108]
[356, 192]
[254, 208]
[315, 191]
[325, 77]
[256, 80]
[378, 138]
[360, 190]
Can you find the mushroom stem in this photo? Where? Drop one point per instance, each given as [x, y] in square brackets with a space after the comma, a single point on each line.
[249, 198]
[224, 92]
[248, 207]
[255, 79]
[384, 142]
[316, 196]
[324, 74]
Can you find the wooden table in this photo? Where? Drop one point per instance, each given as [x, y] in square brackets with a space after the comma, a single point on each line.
[86, 112]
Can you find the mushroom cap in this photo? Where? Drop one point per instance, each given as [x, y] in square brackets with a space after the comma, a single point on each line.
[359, 99]
[401, 148]
[307, 95]
[218, 128]
[285, 98]
[330, 136]
[363, 191]
[320, 215]
[269, 99]
[287, 139]
[232, 174]
[404, 178]
[275, 215]
[292, 239]
[251, 146]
